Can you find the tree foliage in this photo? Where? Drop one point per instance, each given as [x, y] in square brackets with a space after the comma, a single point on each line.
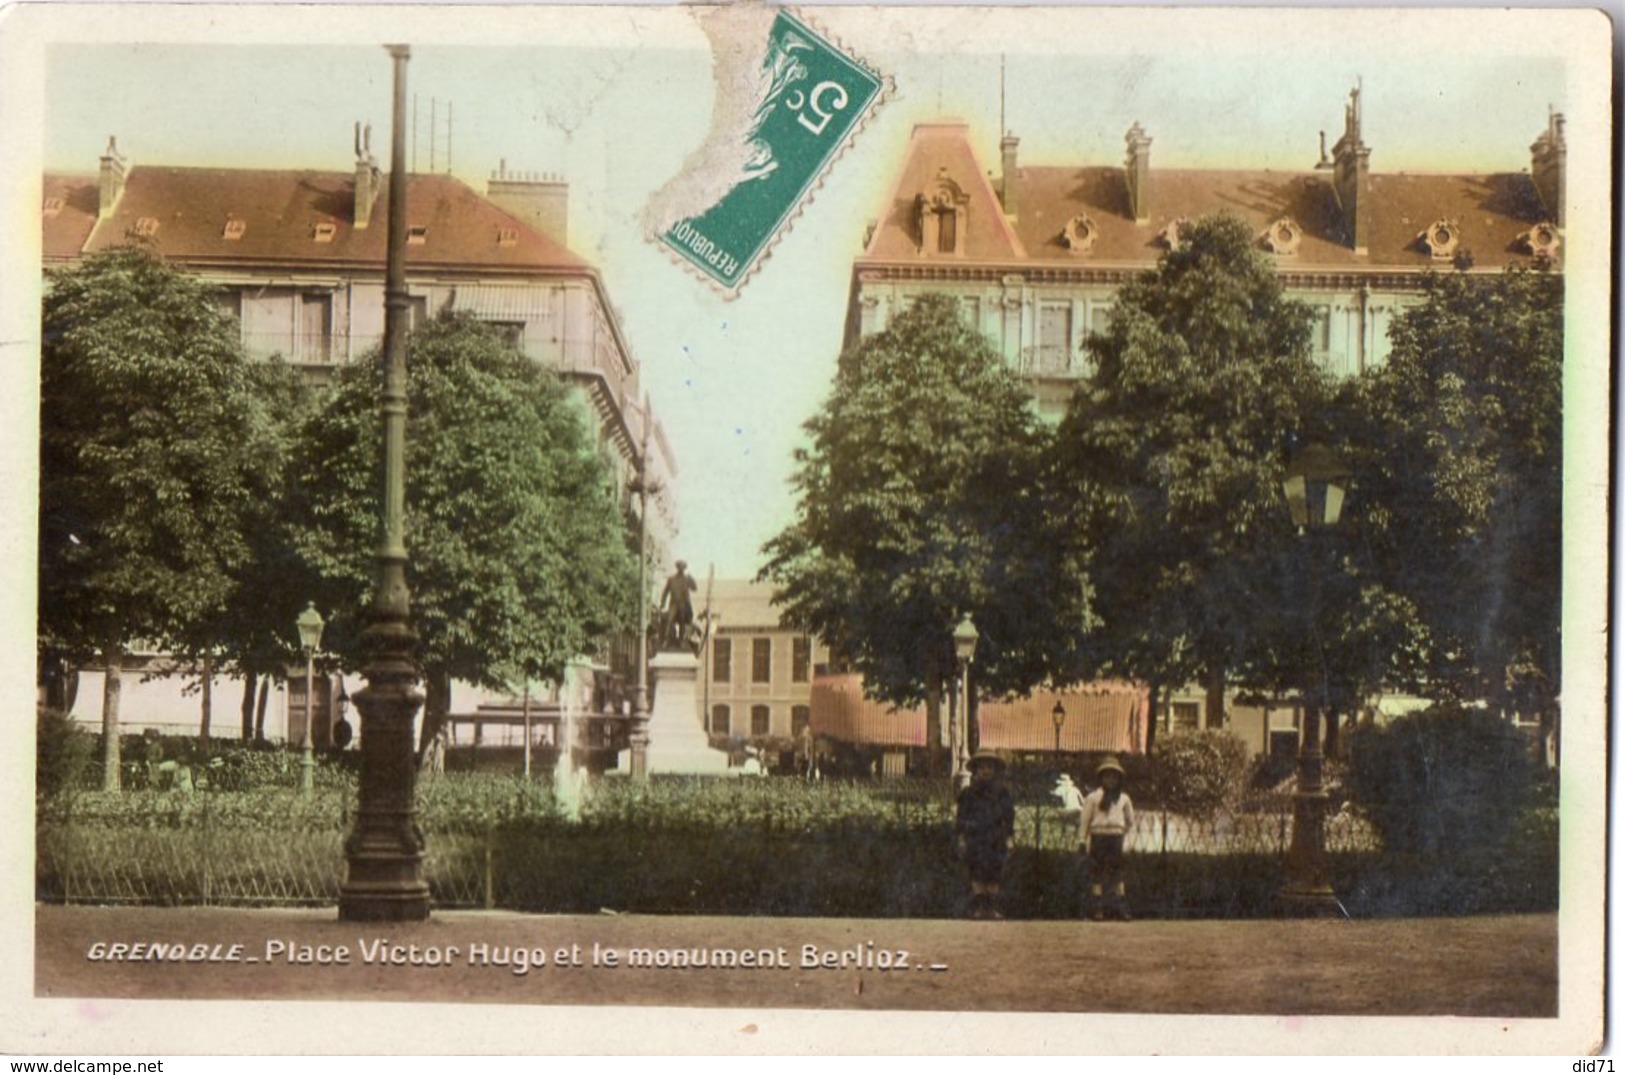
[1459, 441]
[153, 440]
[1168, 463]
[518, 552]
[920, 502]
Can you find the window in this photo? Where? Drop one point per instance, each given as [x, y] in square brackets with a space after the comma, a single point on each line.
[512, 333]
[947, 231]
[420, 311]
[323, 232]
[507, 237]
[1054, 337]
[316, 327]
[722, 660]
[417, 235]
[721, 720]
[53, 206]
[761, 660]
[234, 228]
[761, 720]
[1187, 715]
[800, 659]
[800, 718]
[146, 227]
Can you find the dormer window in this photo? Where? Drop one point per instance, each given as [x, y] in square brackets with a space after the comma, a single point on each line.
[940, 216]
[1171, 236]
[1283, 237]
[507, 237]
[1441, 239]
[53, 206]
[324, 231]
[234, 228]
[1079, 234]
[1542, 240]
[146, 227]
[417, 234]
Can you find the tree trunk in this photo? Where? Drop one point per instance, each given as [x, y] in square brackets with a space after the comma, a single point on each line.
[112, 687]
[1215, 698]
[1151, 719]
[259, 710]
[250, 679]
[1333, 736]
[431, 735]
[206, 705]
[933, 722]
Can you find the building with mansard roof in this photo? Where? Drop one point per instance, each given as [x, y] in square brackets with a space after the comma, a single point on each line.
[1035, 253]
[298, 257]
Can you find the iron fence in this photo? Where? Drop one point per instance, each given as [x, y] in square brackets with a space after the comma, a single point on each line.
[501, 848]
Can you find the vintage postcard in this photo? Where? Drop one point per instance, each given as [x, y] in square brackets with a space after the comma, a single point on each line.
[806, 529]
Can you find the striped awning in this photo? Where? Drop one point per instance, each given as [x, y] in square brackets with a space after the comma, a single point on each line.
[1103, 716]
[504, 302]
[841, 712]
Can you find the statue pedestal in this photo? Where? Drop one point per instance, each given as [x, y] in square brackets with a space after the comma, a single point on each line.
[677, 741]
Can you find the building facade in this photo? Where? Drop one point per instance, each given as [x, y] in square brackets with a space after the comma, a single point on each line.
[1034, 255]
[298, 259]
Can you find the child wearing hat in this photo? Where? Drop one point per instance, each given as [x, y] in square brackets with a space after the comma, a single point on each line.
[1108, 817]
[985, 823]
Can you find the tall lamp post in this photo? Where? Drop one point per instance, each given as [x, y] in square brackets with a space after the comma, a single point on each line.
[384, 851]
[310, 637]
[1315, 485]
[642, 487]
[965, 636]
[1058, 716]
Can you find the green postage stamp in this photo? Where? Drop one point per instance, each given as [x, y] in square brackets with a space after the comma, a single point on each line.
[788, 101]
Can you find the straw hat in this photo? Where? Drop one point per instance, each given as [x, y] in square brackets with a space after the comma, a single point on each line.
[987, 756]
[1110, 765]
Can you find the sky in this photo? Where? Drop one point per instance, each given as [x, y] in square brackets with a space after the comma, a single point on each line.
[617, 100]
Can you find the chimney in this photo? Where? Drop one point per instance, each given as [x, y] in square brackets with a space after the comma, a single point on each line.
[1007, 185]
[368, 179]
[1137, 173]
[539, 200]
[1351, 177]
[111, 180]
[1548, 167]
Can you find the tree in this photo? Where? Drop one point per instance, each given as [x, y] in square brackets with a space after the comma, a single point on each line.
[1168, 462]
[1466, 490]
[518, 552]
[920, 503]
[152, 433]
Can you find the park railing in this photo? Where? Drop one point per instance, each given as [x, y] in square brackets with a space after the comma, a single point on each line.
[772, 846]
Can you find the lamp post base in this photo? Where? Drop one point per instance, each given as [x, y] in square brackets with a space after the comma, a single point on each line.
[1298, 902]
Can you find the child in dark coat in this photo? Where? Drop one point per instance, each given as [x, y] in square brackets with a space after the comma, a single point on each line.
[985, 822]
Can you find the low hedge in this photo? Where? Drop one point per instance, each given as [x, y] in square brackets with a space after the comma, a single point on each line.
[734, 847]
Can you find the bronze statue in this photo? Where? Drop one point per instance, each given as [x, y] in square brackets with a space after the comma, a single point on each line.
[677, 611]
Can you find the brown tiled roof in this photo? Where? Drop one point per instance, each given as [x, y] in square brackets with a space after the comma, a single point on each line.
[280, 212]
[1490, 211]
[944, 148]
[1103, 716]
[66, 228]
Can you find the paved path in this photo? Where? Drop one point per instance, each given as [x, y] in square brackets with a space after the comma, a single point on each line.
[1498, 967]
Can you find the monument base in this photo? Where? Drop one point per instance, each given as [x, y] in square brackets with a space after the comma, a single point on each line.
[677, 742]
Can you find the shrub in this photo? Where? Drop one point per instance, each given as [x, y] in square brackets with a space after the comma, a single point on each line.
[1447, 779]
[64, 754]
[1199, 773]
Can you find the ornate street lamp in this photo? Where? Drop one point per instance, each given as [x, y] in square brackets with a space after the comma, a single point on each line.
[384, 851]
[965, 636]
[642, 486]
[1058, 715]
[1316, 484]
[310, 637]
